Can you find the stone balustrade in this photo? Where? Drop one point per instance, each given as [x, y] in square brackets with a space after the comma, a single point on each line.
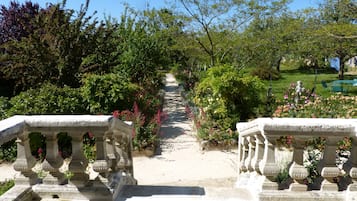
[113, 162]
[259, 165]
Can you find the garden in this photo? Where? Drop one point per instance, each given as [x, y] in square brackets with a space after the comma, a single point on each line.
[266, 62]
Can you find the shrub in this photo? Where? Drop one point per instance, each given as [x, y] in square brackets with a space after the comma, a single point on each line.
[109, 92]
[48, 99]
[8, 151]
[4, 107]
[226, 96]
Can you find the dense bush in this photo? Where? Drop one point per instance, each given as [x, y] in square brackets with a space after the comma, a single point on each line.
[227, 96]
[106, 93]
[48, 99]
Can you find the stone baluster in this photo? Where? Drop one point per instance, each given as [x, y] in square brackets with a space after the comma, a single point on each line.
[79, 163]
[297, 170]
[243, 149]
[353, 163]
[328, 163]
[268, 166]
[259, 152]
[250, 156]
[101, 164]
[24, 161]
[123, 152]
[53, 161]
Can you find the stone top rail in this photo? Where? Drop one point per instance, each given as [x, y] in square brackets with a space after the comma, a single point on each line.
[298, 126]
[11, 127]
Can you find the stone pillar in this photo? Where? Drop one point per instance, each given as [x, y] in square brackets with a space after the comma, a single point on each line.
[268, 166]
[79, 163]
[53, 161]
[297, 170]
[329, 169]
[24, 161]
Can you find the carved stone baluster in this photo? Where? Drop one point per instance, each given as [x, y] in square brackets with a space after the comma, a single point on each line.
[53, 161]
[79, 163]
[101, 164]
[123, 151]
[251, 150]
[243, 175]
[353, 163]
[268, 166]
[297, 170]
[244, 153]
[24, 161]
[330, 171]
[259, 152]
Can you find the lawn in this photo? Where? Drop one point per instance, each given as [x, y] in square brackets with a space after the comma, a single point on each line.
[310, 79]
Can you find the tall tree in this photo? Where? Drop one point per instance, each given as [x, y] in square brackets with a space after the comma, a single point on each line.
[221, 16]
[57, 40]
[338, 30]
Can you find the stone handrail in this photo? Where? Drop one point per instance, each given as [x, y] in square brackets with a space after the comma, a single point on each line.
[258, 151]
[113, 157]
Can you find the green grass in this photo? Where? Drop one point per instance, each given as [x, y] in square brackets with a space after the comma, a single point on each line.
[5, 186]
[292, 75]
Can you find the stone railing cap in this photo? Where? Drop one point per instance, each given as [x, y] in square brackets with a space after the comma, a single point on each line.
[298, 125]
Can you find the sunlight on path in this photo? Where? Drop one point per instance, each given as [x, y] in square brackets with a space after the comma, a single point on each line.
[179, 161]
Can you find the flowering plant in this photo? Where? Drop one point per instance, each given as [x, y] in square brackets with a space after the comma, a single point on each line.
[145, 130]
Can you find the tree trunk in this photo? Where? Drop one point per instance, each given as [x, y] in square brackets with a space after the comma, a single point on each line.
[342, 68]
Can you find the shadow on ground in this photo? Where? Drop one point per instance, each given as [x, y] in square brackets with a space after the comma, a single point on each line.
[147, 191]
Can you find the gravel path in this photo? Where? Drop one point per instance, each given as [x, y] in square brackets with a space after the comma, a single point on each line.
[180, 160]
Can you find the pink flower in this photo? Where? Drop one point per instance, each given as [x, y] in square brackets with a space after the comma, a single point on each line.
[40, 151]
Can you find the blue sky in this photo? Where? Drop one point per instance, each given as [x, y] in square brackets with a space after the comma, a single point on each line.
[114, 8]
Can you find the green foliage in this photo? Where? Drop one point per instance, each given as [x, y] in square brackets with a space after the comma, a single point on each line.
[5, 186]
[8, 151]
[53, 50]
[227, 96]
[4, 107]
[266, 73]
[48, 99]
[89, 148]
[106, 93]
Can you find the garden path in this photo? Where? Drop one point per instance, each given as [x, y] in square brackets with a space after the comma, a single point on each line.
[180, 160]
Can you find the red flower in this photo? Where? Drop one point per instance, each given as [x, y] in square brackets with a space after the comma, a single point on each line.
[116, 114]
[40, 151]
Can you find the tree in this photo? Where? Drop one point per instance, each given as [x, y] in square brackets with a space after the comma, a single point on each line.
[57, 40]
[338, 30]
[212, 17]
[14, 20]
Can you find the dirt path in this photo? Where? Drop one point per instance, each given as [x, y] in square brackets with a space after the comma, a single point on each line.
[180, 160]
